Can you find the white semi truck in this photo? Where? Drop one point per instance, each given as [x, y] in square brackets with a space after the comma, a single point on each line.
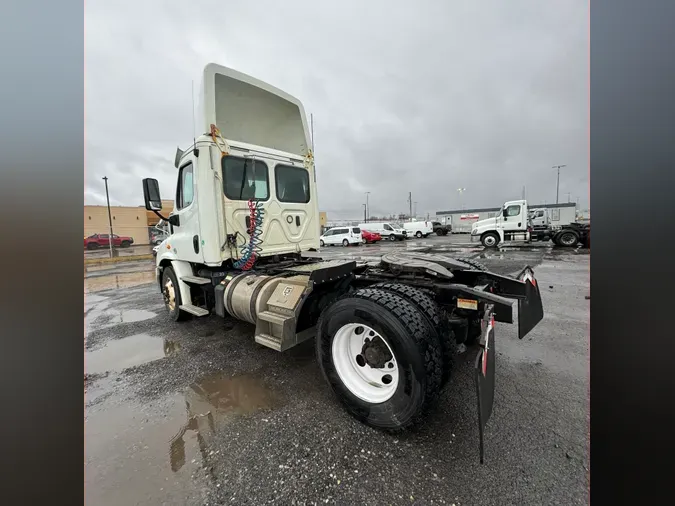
[247, 208]
[514, 224]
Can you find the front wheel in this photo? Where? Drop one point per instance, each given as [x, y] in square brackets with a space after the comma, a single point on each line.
[418, 234]
[321, 243]
[172, 297]
[439, 232]
[380, 357]
[345, 243]
[92, 246]
[392, 237]
[126, 244]
[490, 240]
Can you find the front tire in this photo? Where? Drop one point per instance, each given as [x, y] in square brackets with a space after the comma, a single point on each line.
[392, 237]
[92, 246]
[172, 297]
[321, 243]
[490, 240]
[380, 357]
[345, 243]
[418, 234]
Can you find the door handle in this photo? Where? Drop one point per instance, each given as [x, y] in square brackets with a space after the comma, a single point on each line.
[297, 220]
[248, 223]
[195, 243]
[519, 224]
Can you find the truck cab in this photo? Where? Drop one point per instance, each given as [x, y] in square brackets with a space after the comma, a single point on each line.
[510, 224]
[539, 218]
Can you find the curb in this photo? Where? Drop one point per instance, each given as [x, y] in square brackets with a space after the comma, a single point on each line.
[114, 260]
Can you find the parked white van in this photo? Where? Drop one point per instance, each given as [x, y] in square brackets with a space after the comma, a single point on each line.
[385, 229]
[341, 235]
[418, 228]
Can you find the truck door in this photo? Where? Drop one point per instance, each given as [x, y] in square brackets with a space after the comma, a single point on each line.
[514, 218]
[185, 241]
[104, 239]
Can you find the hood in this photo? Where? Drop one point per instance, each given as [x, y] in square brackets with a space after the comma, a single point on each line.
[485, 222]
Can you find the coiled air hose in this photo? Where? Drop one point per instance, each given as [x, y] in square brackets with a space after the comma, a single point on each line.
[251, 249]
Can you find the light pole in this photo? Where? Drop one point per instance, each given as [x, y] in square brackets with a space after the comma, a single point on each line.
[461, 202]
[557, 186]
[107, 198]
[367, 210]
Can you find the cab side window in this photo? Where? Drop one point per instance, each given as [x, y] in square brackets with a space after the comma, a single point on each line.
[387, 227]
[185, 192]
[513, 211]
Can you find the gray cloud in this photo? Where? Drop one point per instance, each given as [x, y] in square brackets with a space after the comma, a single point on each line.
[421, 96]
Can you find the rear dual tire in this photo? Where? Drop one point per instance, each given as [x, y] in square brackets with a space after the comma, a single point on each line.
[566, 239]
[381, 357]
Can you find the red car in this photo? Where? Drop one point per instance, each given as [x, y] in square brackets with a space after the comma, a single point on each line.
[103, 241]
[370, 237]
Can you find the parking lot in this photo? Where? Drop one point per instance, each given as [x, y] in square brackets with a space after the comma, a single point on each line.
[198, 413]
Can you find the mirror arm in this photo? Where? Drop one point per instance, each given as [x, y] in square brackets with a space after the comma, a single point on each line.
[158, 214]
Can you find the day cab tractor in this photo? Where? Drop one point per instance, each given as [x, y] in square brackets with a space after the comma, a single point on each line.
[513, 225]
[246, 210]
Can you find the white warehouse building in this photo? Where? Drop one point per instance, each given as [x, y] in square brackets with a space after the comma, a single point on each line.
[461, 220]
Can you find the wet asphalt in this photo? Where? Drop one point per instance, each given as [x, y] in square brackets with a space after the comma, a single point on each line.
[198, 413]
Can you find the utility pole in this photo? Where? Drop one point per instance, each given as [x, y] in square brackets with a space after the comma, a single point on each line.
[410, 204]
[367, 210]
[461, 202]
[557, 186]
[107, 198]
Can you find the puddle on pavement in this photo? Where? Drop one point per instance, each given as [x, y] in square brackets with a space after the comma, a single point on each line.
[213, 400]
[121, 354]
[131, 315]
[124, 280]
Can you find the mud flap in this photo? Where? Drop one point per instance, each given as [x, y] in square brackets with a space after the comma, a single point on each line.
[485, 374]
[530, 310]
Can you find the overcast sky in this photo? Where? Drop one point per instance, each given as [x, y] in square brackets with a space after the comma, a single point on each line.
[423, 96]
